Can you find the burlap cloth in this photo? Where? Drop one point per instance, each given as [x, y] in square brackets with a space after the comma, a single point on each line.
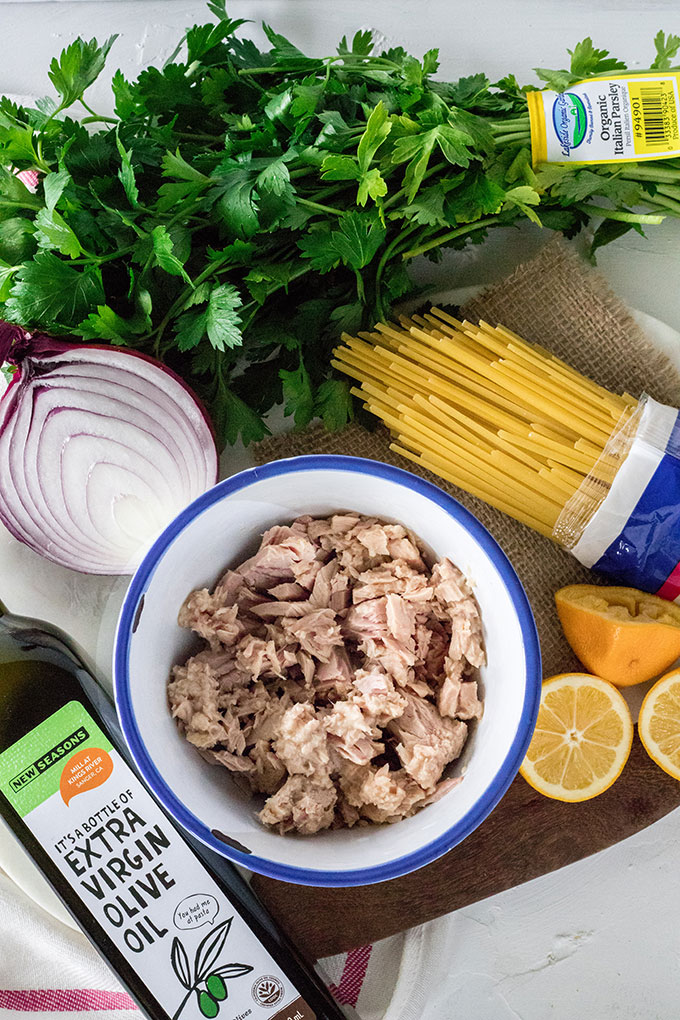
[559, 301]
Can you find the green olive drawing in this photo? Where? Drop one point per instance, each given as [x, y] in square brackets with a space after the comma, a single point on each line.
[207, 1005]
[216, 987]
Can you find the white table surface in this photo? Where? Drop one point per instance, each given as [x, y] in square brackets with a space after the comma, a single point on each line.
[597, 939]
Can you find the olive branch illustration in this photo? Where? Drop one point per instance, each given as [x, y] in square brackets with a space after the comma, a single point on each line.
[207, 980]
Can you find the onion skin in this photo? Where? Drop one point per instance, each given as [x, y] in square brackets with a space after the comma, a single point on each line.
[16, 344]
[97, 453]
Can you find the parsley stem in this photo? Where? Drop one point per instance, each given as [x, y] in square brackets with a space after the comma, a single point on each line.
[384, 258]
[637, 70]
[191, 137]
[664, 202]
[501, 127]
[643, 173]
[99, 259]
[320, 207]
[510, 138]
[269, 70]
[95, 116]
[621, 216]
[24, 204]
[350, 61]
[467, 228]
[402, 191]
[671, 191]
[302, 172]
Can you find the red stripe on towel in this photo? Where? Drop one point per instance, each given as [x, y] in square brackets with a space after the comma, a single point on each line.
[30, 178]
[353, 975]
[63, 1000]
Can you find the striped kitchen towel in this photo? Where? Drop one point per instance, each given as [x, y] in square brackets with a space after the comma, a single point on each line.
[48, 968]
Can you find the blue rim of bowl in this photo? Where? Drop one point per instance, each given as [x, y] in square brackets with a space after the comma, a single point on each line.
[505, 774]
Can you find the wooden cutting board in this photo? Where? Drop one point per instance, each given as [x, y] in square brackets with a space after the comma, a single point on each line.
[526, 835]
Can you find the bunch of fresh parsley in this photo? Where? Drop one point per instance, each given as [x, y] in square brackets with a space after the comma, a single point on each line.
[244, 207]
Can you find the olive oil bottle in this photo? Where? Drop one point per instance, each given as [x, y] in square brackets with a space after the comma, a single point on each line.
[180, 928]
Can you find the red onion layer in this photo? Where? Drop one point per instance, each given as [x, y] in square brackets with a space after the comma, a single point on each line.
[100, 449]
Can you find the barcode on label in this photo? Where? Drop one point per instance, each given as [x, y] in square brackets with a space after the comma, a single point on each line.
[652, 115]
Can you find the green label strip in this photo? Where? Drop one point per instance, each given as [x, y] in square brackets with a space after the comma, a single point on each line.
[30, 770]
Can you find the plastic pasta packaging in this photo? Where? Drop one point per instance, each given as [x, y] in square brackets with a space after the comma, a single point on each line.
[624, 519]
[512, 424]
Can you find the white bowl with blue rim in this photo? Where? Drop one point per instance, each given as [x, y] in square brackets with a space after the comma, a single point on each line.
[222, 528]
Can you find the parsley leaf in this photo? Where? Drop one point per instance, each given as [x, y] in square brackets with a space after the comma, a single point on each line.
[79, 65]
[191, 328]
[480, 197]
[377, 129]
[222, 320]
[6, 276]
[524, 198]
[586, 60]
[53, 187]
[319, 249]
[467, 91]
[666, 47]
[125, 103]
[340, 168]
[235, 419]
[17, 240]
[608, 231]
[54, 233]
[16, 144]
[164, 253]
[372, 185]
[362, 44]
[50, 293]
[454, 143]
[358, 239]
[237, 204]
[275, 178]
[574, 187]
[126, 174]
[105, 324]
[202, 40]
[333, 404]
[297, 394]
[559, 81]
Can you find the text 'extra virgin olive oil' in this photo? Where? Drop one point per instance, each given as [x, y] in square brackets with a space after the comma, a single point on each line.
[187, 942]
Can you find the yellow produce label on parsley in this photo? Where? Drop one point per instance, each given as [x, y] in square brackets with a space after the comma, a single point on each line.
[607, 120]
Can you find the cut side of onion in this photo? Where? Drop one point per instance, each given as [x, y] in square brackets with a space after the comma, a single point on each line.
[100, 448]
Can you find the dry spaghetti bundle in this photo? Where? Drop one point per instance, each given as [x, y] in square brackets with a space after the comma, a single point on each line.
[477, 405]
[511, 423]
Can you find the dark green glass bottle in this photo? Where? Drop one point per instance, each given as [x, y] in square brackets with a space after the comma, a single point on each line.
[179, 926]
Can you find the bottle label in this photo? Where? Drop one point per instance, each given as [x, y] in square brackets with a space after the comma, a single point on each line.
[138, 878]
[607, 120]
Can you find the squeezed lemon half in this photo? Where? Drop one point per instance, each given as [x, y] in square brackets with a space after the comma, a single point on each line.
[623, 635]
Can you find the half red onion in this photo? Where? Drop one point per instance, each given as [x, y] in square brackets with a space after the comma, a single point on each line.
[100, 448]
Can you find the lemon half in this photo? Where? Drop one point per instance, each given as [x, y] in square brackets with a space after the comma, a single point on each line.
[582, 738]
